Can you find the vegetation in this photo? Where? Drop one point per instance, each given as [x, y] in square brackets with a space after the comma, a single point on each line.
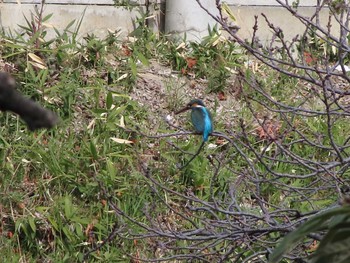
[104, 186]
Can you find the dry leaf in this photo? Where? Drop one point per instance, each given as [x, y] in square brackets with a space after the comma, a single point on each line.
[122, 123]
[309, 58]
[269, 130]
[182, 45]
[9, 234]
[122, 77]
[222, 96]
[191, 62]
[38, 65]
[35, 58]
[126, 50]
[122, 141]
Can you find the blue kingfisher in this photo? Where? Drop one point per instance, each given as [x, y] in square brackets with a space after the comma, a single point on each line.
[201, 117]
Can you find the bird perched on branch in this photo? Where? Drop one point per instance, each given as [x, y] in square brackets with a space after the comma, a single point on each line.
[201, 117]
[33, 114]
[202, 122]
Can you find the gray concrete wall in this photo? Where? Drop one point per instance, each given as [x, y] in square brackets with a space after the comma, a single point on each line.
[278, 16]
[64, 2]
[98, 18]
[267, 2]
[186, 17]
[101, 15]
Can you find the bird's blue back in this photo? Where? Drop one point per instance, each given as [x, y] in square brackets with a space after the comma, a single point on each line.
[202, 121]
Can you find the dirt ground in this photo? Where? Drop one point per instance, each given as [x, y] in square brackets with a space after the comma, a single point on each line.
[163, 92]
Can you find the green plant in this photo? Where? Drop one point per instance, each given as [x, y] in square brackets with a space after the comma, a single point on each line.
[332, 248]
[105, 186]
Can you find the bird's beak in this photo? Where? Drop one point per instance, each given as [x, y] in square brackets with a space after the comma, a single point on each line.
[182, 110]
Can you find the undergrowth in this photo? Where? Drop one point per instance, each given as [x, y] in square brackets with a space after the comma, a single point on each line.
[52, 205]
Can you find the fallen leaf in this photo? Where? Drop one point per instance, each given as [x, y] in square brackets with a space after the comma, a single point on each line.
[91, 124]
[222, 96]
[21, 205]
[37, 61]
[269, 130]
[37, 65]
[191, 62]
[122, 141]
[121, 122]
[126, 50]
[88, 229]
[122, 77]
[220, 141]
[9, 234]
[309, 58]
[182, 45]
[192, 84]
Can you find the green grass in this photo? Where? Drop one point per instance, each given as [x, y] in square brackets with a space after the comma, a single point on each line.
[51, 185]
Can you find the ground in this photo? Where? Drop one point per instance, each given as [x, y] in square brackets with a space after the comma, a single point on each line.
[163, 91]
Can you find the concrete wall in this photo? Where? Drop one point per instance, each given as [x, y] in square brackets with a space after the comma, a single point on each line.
[98, 18]
[267, 2]
[189, 18]
[102, 15]
[71, 2]
[278, 16]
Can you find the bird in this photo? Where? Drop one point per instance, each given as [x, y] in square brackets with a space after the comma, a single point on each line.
[200, 116]
[202, 121]
[34, 115]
